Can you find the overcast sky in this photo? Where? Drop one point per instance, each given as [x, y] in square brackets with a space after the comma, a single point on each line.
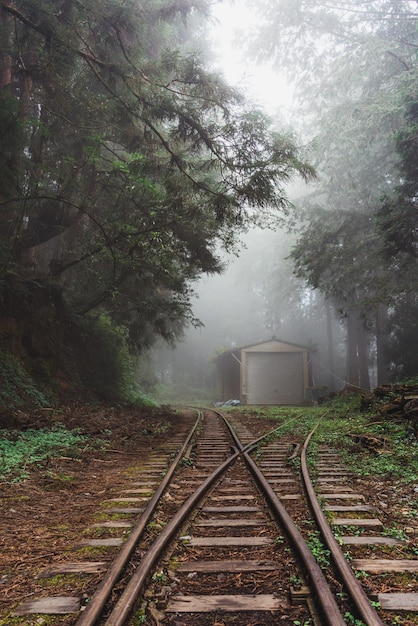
[260, 82]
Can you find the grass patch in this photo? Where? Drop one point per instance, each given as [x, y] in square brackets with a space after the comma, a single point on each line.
[341, 425]
[21, 451]
[31, 620]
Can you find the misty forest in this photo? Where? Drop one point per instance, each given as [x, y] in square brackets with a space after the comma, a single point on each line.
[155, 212]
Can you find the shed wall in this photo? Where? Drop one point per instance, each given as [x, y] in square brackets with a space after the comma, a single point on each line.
[271, 372]
[274, 378]
[228, 379]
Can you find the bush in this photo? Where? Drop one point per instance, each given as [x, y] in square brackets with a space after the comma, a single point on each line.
[17, 388]
[105, 364]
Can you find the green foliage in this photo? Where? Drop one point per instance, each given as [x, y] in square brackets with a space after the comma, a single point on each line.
[17, 388]
[391, 462]
[106, 364]
[396, 533]
[20, 450]
[397, 218]
[139, 618]
[159, 577]
[181, 393]
[137, 163]
[321, 554]
[338, 423]
[350, 619]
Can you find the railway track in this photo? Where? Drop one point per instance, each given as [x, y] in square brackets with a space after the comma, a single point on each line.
[219, 530]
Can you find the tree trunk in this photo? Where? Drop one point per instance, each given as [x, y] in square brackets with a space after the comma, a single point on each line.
[352, 358]
[382, 341]
[363, 355]
[330, 346]
[357, 353]
[6, 62]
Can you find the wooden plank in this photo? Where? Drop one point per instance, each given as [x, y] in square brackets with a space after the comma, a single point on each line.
[272, 474]
[207, 604]
[58, 605]
[113, 541]
[226, 566]
[324, 471]
[285, 475]
[379, 566]
[228, 489]
[289, 496]
[336, 489]
[351, 521]
[128, 499]
[216, 523]
[329, 480]
[341, 496]
[362, 541]
[234, 481]
[231, 497]
[230, 541]
[230, 509]
[87, 567]
[148, 484]
[324, 468]
[398, 601]
[125, 510]
[341, 508]
[117, 523]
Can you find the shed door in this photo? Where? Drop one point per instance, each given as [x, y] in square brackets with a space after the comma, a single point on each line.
[275, 378]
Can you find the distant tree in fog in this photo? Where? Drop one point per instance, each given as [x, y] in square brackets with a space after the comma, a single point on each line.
[355, 68]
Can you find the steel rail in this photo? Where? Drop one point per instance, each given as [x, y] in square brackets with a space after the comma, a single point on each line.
[98, 600]
[129, 596]
[324, 595]
[355, 590]
[125, 604]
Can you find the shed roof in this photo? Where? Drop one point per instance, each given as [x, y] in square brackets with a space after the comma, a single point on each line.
[258, 343]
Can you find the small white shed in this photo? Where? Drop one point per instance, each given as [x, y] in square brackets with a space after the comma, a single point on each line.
[269, 372]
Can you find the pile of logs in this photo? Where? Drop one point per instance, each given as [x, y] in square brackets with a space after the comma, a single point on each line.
[394, 401]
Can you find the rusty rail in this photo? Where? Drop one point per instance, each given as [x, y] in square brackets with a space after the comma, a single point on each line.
[324, 595]
[102, 593]
[354, 588]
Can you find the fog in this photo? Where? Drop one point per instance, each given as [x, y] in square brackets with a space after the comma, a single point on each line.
[262, 83]
[232, 306]
[255, 299]
[353, 115]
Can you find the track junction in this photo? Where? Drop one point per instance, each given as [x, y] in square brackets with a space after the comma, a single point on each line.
[219, 526]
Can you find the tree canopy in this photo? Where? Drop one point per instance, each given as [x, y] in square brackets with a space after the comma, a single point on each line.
[126, 162]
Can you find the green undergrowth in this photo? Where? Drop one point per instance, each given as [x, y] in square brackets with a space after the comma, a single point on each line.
[181, 394]
[343, 426]
[32, 620]
[17, 387]
[22, 450]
